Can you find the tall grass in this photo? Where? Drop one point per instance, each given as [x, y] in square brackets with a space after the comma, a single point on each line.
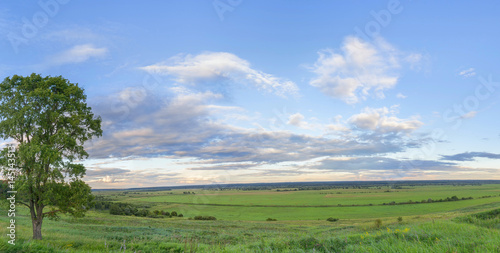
[220, 236]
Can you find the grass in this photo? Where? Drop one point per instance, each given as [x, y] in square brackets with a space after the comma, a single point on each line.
[458, 226]
[317, 198]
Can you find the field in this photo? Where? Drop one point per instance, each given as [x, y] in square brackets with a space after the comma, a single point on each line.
[406, 218]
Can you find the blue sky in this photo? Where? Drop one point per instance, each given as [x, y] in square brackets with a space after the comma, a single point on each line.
[238, 91]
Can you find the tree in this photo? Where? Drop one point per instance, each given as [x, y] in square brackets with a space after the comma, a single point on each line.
[49, 120]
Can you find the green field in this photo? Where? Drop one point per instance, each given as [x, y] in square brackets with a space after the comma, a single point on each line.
[301, 226]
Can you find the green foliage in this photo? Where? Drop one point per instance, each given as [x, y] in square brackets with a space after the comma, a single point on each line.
[49, 119]
[488, 215]
[331, 219]
[102, 232]
[271, 219]
[400, 219]
[378, 223]
[199, 217]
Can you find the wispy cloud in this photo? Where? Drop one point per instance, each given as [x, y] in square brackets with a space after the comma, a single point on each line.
[221, 67]
[78, 54]
[470, 156]
[359, 67]
[400, 95]
[469, 115]
[102, 178]
[467, 72]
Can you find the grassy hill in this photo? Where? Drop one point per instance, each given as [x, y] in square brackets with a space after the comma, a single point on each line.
[469, 225]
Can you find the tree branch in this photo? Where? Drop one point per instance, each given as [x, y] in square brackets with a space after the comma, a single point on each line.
[51, 212]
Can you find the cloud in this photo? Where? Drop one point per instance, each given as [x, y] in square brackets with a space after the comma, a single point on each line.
[400, 95]
[295, 119]
[467, 72]
[99, 172]
[469, 115]
[470, 156]
[220, 67]
[187, 126]
[383, 121]
[357, 68]
[78, 54]
[102, 178]
[232, 166]
[384, 168]
[378, 164]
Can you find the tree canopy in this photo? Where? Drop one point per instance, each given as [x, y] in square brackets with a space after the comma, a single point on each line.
[48, 120]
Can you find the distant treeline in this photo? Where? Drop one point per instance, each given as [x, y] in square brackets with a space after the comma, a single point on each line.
[119, 208]
[321, 185]
[454, 198]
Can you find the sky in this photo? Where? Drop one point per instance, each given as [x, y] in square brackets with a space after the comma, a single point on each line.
[239, 91]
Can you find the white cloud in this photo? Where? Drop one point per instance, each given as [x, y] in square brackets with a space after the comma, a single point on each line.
[400, 95]
[382, 120]
[220, 66]
[468, 72]
[78, 54]
[359, 67]
[295, 119]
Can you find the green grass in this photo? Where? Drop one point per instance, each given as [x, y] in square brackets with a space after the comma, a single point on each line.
[320, 197]
[458, 226]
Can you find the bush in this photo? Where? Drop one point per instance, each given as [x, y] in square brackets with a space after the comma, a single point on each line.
[378, 223]
[271, 219]
[180, 215]
[142, 213]
[332, 219]
[199, 217]
[173, 213]
[400, 219]
[115, 209]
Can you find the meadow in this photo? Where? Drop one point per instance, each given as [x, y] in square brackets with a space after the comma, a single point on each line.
[367, 221]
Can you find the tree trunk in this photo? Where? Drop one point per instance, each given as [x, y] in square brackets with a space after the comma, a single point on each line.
[37, 229]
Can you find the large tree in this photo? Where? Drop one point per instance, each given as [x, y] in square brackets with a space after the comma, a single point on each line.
[48, 120]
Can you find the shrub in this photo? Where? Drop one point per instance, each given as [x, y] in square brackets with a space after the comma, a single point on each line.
[400, 219]
[378, 223]
[332, 219]
[199, 217]
[180, 215]
[115, 209]
[142, 213]
[173, 213]
[271, 219]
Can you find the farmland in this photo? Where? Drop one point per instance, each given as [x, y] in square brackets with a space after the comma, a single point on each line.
[377, 218]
